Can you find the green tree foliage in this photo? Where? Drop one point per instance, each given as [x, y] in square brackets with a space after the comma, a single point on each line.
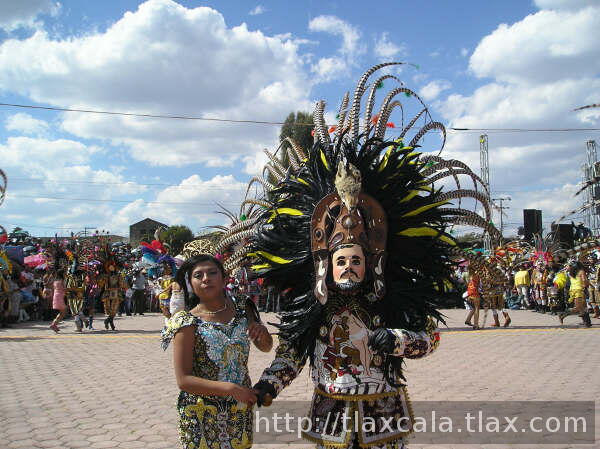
[469, 240]
[176, 237]
[298, 126]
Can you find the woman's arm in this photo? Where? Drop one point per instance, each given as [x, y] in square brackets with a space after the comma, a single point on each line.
[183, 360]
[584, 279]
[258, 332]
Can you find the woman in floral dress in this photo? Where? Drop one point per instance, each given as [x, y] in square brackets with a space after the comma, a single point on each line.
[211, 342]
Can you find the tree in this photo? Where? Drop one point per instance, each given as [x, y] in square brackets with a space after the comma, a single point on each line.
[176, 237]
[470, 239]
[298, 126]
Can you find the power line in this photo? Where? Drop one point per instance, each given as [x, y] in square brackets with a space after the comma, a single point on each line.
[524, 130]
[134, 114]
[95, 200]
[266, 122]
[190, 186]
[21, 225]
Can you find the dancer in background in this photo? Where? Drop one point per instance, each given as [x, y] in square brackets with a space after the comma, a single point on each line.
[58, 299]
[578, 283]
[114, 287]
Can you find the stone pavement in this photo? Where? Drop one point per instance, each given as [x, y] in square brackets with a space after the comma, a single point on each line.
[105, 389]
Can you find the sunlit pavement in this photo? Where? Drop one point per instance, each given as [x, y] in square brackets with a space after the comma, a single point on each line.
[104, 389]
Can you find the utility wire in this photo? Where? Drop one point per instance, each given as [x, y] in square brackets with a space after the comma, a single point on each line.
[23, 226]
[132, 114]
[266, 122]
[95, 200]
[131, 183]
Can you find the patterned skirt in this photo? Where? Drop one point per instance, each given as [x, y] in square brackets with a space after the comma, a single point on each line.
[209, 421]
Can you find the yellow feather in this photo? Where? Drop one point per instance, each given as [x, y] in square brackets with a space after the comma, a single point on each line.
[324, 160]
[269, 256]
[407, 157]
[412, 213]
[384, 161]
[426, 232]
[284, 211]
[302, 181]
[410, 196]
[261, 267]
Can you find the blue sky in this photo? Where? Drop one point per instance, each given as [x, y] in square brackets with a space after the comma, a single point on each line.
[510, 64]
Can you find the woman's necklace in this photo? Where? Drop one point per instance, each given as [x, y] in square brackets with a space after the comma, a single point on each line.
[214, 312]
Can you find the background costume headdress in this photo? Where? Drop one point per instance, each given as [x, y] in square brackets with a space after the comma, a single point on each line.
[282, 226]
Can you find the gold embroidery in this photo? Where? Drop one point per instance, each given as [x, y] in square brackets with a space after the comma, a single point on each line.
[358, 397]
[199, 409]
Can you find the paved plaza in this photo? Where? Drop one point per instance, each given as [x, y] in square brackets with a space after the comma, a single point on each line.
[105, 389]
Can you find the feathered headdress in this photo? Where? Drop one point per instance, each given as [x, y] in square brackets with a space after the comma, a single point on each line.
[418, 246]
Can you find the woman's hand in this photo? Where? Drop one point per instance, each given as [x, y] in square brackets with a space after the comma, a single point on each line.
[259, 334]
[243, 394]
[257, 331]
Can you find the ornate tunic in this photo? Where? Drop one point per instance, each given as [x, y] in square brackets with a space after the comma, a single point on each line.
[74, 292]
[114, 285]
[220, 353]
[349, 378]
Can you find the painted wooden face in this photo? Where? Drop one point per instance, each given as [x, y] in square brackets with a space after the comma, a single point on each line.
[348, 264]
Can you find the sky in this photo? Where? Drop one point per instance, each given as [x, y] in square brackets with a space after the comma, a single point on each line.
[479, 65]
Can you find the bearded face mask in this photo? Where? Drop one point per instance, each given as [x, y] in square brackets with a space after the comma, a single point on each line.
[344, 225]
[348, 267]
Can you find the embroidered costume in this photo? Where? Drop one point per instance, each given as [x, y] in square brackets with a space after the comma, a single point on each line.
[220, 353]
[113, 284]
[354, 231]
[75, 287]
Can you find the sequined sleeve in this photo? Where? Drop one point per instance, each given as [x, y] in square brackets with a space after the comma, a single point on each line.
[285, 368]
[415, 345]
[174, 324]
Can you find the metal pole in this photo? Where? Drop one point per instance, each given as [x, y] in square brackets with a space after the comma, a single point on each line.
[485, 177]
[501, 200]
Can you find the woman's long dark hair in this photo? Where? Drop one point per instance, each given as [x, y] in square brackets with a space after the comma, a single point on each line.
[185, 272]
[574, 268]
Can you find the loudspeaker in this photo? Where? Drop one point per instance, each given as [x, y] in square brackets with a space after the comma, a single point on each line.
[532, 222]
[564, 234]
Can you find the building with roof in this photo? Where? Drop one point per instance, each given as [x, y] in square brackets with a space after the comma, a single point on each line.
[144, 230]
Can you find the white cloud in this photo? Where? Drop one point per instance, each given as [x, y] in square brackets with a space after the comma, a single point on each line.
[26, 124]
[192, 64]
[58, 166]
[38, 153]
[193, 201]
[328, 69]
[332, 67]
[432, 89]
[23, 13]
[338, 27]
[385, 49]
[259, 9]
[541, 70]
[543, 47]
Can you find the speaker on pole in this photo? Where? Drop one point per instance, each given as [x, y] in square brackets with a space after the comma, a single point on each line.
[564, 234]
[532, 222]
[538, 222]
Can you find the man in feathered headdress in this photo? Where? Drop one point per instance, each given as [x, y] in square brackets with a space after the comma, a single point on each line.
[356, 234]
[113, 285]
